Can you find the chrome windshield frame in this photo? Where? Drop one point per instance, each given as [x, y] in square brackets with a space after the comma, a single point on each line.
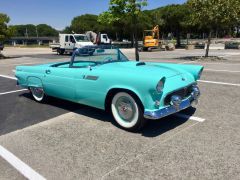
[89, 50]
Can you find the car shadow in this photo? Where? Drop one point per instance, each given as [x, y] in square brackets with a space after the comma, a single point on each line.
[55, 107]
[157, 127]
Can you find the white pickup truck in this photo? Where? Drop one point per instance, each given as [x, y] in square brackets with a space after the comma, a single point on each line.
[69, 42]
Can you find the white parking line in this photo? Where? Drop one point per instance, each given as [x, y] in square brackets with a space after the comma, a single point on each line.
[9, 92]
[19, 64]
[9, 77]
[139, 156]
[219, 63]
[187, 62]
[189, 117]
[221, 70]
[19, 165]
[222, 83]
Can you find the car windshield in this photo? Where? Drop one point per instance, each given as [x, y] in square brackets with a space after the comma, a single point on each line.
[97, 56]
[81, 38]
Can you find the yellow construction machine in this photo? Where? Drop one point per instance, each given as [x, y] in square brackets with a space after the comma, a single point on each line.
[151, 39]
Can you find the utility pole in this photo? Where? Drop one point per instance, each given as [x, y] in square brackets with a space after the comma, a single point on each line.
[38, 41]
[36, 31]
[26, 33]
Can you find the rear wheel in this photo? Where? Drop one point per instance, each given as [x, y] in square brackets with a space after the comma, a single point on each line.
[61, 51]
[127, 112]
[38, 94]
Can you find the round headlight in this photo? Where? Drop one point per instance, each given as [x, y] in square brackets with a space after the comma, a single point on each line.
[160, 86]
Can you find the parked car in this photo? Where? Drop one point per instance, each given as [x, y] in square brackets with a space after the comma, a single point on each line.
[1, 46]
[107, 79]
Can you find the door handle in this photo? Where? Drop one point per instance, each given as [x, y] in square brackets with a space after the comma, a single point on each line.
[48, 71]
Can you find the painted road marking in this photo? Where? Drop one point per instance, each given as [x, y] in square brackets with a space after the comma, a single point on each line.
[139, 156]
[220, 63]
[9, 92]
[207, 63]
[222, 83]
[189, 117]
[19, 64]
[22, 64]
[216, 70]
[9, 77]
[19, 165]
[187, 62]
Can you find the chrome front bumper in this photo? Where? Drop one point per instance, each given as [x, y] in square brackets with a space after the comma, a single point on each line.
[177, 104]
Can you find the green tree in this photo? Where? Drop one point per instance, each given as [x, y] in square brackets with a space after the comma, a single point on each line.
[83, 23]
[120, 10]
[172, 18]
[67, 30]
[46, 30]
[214, 14]
[30, 30]
[5, 31]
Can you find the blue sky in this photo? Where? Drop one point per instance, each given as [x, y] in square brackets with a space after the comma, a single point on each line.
[59, 13]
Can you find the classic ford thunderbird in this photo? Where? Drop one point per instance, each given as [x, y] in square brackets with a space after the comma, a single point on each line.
[107, 79]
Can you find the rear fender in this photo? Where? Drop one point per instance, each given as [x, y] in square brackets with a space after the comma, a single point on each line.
[34, 82]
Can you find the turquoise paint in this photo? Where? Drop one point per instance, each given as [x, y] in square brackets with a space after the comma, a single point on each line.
[71, 83]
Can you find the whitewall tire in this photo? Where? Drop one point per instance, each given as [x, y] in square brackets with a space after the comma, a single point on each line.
[38, 93]
[127, 112]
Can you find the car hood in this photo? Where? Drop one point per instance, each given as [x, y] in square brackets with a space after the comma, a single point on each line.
[141, 68]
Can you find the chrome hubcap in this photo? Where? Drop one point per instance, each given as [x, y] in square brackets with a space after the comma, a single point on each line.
[125, 108]
[38, 92]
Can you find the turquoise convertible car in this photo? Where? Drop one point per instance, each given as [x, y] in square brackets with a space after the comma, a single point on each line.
[107, 79]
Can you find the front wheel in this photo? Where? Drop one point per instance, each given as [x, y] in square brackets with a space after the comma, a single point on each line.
[127, 112]
[38, 94]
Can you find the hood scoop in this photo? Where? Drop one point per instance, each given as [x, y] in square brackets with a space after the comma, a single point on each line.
[141, 64]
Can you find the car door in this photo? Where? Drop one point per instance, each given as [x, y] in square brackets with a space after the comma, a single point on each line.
[88, 87]
[72, 42]
[59, 82]
[66, 42]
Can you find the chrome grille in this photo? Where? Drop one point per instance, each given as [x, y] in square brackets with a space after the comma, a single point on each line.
[183, 93]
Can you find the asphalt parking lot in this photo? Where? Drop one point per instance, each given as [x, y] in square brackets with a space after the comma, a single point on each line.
[64, 140]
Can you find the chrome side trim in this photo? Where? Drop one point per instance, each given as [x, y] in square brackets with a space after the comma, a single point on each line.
[94, 78]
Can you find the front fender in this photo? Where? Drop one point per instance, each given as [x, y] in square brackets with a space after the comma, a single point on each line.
[146, 95]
